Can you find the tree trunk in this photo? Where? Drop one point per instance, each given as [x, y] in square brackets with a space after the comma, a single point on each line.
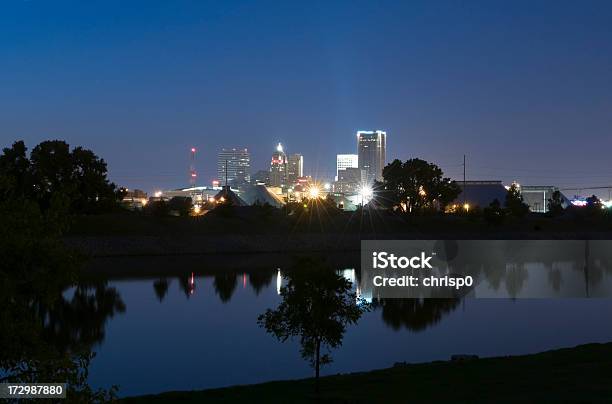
[317, 365]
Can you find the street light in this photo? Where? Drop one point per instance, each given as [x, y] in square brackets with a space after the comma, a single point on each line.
[365, 192]
[314, 192]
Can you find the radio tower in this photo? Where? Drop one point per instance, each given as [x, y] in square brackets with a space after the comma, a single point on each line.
[193, 175]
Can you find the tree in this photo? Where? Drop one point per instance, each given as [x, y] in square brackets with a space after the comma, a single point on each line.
[45, 337]
[514, 202]
[180, 204]
[317, 306]
[594, 205]
[417, 185]
[555, 204]
[494, 214]
[53, 171]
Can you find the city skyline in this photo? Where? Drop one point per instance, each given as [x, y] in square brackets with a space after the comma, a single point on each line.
[141, 85]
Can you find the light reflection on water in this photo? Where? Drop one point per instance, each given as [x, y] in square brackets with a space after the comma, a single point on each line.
[197, 329]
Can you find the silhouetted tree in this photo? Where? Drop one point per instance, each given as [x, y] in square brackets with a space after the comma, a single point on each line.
[180, 204]
[157, 208]
[419, 185]
[52, 171]
[317, 307]
[593, 204]
[39, 343]
[555, 204]
[514, 202]
[494, 214]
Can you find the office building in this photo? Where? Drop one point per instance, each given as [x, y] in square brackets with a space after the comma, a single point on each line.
[371, 151]
[295, 168]
[234, 166]
[345, 161]
[278, 168]
[350, 180]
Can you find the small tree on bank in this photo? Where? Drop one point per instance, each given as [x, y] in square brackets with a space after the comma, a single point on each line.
[514, 202]
[317, 306]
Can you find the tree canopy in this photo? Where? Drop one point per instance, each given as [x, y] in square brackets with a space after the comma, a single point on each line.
[417, 185]
[514, 202]
[317, 306]
[54, 172]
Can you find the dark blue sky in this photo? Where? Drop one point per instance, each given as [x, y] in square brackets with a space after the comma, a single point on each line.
[523, 88]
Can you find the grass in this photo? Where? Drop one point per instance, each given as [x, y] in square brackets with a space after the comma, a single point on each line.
[573, 375]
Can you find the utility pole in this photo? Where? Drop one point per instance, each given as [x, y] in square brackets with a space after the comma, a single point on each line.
[464, 199]
[192, 170]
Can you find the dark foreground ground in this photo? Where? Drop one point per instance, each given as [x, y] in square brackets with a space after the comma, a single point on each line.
[256, 230]
[574, 375]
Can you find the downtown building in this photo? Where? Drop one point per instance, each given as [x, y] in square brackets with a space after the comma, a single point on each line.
[350, 180]
[344, 161]
[295, 168]
[278, 168]
[234, 167]
[371, 151]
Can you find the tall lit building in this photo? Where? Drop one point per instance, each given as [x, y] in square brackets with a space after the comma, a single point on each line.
[295, 168]
[278, 167]
[234, 166]
[371, 150]
[344, 161]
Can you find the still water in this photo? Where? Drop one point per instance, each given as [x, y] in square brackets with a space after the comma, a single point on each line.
[174, 324]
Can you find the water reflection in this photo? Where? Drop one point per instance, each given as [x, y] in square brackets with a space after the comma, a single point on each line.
[226, 300]
[521, 271]
[77, 321]
[414, 314]
[514, 269]
[50, 336]
[161, 288]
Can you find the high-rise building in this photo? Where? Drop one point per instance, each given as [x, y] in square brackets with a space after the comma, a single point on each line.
[278, 167]
[346, 161]
[350, 180]
[234, 166]
[371, 149]
[295, 168]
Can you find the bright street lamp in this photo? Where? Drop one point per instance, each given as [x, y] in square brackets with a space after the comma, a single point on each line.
[365, 193]
[314, 192]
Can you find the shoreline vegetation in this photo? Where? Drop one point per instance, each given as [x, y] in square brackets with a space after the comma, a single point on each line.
[568, 375]
[248, 231]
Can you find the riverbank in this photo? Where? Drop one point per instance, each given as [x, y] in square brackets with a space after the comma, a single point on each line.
[131, 234]
[571, 375]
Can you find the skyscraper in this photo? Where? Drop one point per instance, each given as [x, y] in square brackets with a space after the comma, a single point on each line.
[371, 149]
[345, 161]
[234, 166]
[295, 167]
[278, 167]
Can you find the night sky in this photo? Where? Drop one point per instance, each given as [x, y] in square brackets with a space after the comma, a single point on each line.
[523, 88]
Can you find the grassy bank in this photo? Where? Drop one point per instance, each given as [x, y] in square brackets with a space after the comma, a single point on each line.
[573, 375]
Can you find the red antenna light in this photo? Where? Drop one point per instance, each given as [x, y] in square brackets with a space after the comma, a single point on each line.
[192, 171]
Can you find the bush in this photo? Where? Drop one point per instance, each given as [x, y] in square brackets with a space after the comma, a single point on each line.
[494, 214]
